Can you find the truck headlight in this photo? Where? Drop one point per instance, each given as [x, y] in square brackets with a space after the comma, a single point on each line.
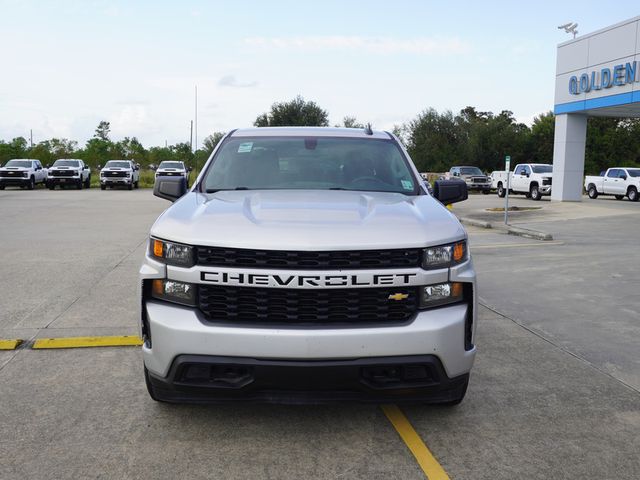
[172, 291]
[441, 294]
[444, 256]
[171, 253]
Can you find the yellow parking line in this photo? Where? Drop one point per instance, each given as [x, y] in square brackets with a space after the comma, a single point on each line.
[426, 460]
[81, 342]
[9, 344]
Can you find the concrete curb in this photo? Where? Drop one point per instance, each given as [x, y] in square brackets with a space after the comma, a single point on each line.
[510, 229]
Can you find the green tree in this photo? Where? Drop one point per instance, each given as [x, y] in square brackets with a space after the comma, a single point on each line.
[210, 142]
[296, 112]
[542, 136]
[102, 130]
[351, 122]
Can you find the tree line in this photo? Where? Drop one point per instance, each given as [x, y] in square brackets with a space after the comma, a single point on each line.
[435, 140]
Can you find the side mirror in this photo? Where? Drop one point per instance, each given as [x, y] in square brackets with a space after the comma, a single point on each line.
[450, 191]
[623, 177]
[99, 166]
[170, 188]
[189, 169]
[456, 174]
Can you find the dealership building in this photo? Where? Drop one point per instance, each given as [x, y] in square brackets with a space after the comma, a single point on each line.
[597, 75]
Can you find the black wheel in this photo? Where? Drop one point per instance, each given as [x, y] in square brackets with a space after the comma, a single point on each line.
[87, 182]
[592, 192]
[619, 197]
[79, 184]
[484, 192]
[130, 186]
[501, 191]
[32, 183]
[1, 187]
[135, 185]
[51, 186]
[457, 400]
[534, 192]
[103, 187]
[632, 193]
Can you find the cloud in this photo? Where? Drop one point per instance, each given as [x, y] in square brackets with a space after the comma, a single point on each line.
[232, 81]
[382, 45]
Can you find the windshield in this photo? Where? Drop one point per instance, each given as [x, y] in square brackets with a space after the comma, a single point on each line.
[542, 168]
[470, 171]
[117, 164]
[171, 165]
[317, 163]
[66, 163]
[634, 172]
[18, 163]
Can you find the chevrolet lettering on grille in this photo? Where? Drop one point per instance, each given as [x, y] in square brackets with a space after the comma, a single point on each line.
[306, 281]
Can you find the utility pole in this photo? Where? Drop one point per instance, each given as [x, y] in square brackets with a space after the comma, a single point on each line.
[196, 121]
[191, 137]
[31, 139]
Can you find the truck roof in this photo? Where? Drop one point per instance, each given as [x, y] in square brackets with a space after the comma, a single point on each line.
[309, 131]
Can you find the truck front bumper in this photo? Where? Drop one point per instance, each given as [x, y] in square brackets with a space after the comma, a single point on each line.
[15, 182]
[53, 181]
[202, 379]
[115, 180]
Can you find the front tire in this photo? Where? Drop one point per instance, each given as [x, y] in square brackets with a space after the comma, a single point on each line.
[32, 183]
[632, 193]
[592, 192]
[130, 186]
[484, 192]
[87, 182]
[534, 192]
[103, 187]
[501, 191]
[79, 184]
[135, 185]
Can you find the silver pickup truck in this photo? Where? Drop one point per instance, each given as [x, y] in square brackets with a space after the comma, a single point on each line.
[308, 265]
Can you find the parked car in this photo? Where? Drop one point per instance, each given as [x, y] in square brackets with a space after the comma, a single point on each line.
[473, 177]
[120, 173]
[331, 276]
[173, 168]
[22, 172]
[531, 179]
[618, 181]
[69, 171]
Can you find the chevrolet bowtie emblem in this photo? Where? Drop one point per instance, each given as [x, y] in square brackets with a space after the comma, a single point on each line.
[398, 296]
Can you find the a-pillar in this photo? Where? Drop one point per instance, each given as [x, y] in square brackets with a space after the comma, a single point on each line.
[568, 157]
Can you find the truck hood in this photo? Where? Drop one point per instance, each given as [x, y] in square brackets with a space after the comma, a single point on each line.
[308, 220]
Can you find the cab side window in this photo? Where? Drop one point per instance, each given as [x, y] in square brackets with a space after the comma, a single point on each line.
[519, 170]
[527, 170]
[613, 173]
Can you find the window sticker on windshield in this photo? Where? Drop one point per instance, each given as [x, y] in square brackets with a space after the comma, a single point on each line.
[245, 147]
[407, 184]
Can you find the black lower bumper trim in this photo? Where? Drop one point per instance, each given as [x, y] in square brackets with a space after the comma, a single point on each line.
[210, 379]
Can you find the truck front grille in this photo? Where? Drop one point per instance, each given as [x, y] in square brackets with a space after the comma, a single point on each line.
[62, 173]
[546, 181]
[288, 306]
[327, 260]
[115, 174]
[11, 173]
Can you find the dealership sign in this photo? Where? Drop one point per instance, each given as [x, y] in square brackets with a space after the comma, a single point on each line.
[605, 78]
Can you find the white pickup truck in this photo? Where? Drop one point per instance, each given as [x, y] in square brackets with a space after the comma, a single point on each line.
[23, 172]
[69, 172]
[530, 179]
[618, 181]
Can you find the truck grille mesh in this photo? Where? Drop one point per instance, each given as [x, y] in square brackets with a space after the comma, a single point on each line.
[62, 173]
[328, 260]
[306, 306]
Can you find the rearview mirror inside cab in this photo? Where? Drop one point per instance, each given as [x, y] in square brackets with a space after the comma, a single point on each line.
[450, 191]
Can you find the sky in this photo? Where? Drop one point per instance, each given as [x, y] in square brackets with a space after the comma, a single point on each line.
[67, 65]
